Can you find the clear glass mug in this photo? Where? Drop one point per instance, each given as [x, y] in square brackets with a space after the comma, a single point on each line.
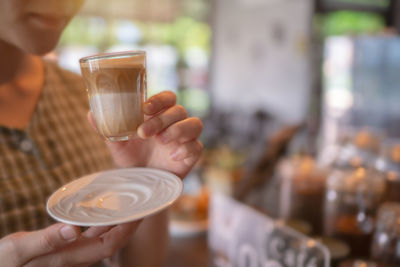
[116, 86]
[351, 201]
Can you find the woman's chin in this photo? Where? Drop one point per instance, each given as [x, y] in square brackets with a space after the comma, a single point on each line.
[40, 46]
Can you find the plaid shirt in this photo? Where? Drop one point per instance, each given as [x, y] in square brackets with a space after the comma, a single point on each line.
[56, 147]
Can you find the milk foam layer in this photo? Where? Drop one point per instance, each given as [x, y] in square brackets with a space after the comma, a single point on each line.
[138, 60]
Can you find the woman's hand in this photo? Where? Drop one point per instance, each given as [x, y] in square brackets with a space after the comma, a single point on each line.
[168, 138]
[64, 245]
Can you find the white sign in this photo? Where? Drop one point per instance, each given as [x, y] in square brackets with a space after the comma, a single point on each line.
[242, 237]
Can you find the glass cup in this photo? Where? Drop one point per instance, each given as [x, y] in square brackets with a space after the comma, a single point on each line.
[386, 241]
[116, 86]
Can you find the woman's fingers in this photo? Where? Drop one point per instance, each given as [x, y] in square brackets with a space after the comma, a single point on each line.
[161, 121]
[119, 236]
[182, 131]
[159, 102]
[87, 251]
[96, 231]
[33, 244]
[190, 161]
[187, 150]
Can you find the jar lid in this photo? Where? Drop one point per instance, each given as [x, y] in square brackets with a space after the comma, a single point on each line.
[360, 180]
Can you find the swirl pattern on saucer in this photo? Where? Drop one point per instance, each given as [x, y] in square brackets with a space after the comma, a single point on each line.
[115, 196]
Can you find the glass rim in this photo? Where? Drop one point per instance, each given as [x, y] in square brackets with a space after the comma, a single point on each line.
[101, 56]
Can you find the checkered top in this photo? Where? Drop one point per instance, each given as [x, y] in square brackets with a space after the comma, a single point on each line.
[56, 147]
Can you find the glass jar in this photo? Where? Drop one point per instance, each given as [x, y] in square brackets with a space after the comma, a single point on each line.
[386, 241]
[351, 200]
[389, 164]
[302, 191]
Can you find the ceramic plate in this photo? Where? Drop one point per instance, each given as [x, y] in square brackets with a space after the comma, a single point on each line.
[114, 197]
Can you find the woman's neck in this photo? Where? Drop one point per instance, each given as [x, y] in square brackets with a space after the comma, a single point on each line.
[19, 71]
[12, 63]
[21, 81]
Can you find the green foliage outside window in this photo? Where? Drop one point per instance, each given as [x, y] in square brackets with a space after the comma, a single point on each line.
[349, 23]
[377, 3]
[183, 33]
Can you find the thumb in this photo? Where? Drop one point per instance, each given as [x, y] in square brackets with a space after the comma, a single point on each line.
[37, 243]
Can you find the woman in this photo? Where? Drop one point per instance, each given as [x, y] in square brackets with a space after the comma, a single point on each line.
[46, 141]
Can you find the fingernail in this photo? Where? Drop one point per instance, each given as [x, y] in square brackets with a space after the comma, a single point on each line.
[68, 233]
[144, 131]
[188, 161]
[140, 132]
[148, 107]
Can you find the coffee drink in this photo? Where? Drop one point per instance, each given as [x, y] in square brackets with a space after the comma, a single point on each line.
[117, 90]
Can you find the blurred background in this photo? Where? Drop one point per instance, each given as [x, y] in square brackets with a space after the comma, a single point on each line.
[285, 88]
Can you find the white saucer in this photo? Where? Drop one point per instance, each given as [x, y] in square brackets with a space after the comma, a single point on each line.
[114, 197]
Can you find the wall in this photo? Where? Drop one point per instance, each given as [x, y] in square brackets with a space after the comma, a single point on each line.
[261, 57]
